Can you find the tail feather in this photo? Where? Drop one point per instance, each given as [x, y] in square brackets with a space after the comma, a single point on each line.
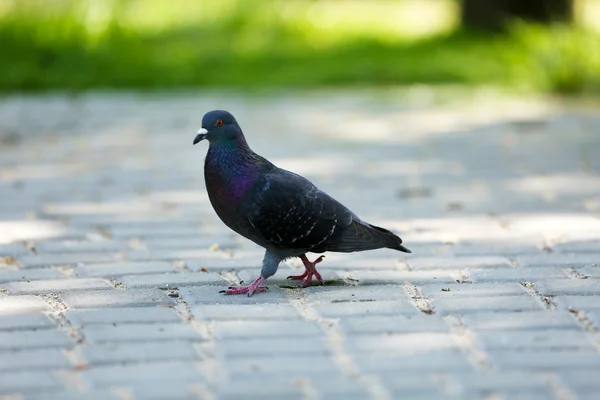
[363, 236]
[395, 242]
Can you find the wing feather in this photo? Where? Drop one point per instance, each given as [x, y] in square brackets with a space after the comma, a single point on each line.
[291, 213]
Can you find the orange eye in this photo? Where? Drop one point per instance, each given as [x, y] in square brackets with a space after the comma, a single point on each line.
[220, 122]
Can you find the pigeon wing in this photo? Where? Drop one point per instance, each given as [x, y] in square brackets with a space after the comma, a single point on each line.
[291, 213]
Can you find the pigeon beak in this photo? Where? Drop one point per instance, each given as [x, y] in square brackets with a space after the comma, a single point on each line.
[201, 135]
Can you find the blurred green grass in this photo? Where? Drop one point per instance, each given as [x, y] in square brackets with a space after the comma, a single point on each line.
[148, 44]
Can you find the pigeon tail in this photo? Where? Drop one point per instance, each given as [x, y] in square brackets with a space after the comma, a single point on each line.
[360, 235]
[395, 243]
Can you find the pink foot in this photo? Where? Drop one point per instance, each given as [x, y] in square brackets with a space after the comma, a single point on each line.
[249, 289]
[310, 271]
[301, 276]
[306, 282]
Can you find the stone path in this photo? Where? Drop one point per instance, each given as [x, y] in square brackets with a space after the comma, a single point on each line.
[111, 257]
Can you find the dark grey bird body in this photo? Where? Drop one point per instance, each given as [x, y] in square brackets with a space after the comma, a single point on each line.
[277, 209]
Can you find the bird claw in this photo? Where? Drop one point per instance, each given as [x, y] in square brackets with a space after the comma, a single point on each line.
[309, 279]
[248, 290]
[254, 287]
[309, 272]
[259, 289]
[297, 277]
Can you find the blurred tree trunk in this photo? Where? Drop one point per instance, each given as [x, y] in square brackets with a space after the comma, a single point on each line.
[492, 14]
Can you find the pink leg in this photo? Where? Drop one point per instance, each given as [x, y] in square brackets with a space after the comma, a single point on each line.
[249, 289]
[309, 272]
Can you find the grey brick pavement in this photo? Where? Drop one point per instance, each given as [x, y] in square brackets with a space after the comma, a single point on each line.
[111, 257]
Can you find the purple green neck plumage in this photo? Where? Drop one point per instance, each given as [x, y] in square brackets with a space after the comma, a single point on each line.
[230, 168]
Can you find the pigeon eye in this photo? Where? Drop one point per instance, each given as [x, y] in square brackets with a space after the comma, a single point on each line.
[219, 123]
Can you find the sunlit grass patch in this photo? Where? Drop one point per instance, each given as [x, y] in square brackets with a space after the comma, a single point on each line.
[84, 44]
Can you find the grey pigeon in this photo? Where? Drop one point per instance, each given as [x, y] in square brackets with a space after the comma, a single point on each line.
[277, 209]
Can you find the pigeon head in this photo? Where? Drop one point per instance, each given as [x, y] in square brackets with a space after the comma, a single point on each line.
[218, 126]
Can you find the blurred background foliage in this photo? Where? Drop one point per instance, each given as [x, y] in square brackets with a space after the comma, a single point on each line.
[81, 44]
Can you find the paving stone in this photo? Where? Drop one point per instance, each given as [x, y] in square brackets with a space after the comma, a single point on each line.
[62, 247]
[408, 383]
[22, 304]
[467, 305]
[28, 382]
[568, 287]
[458, 262]
[338, 387]
[578, 246]
[417, 394]
[193, 242]
[389, 324]
[156, 372]
[172, 280]
[124, 268]
[516, 274]
[262, 329]
[130, 352]
[207, 294]
[229, 312]
[590, 272]
[538, 320]
[367, 293]
[210, 259]
[398, 277]
[578, 303]
[275, 365]
[14, 340]
[494, 249]
[524, 393]
[547, 339]
[123, 315]
[402, 343]
[462, 290]
[68, 259]
[13, 250]
[56, 285]
[167, 231]
[118, 298]
[282, 346]
[218, 264]
[448, 359]
[372, 261]
[559, 260]
[594, 316]
[248, 388]
[521, 381]
[28, 321]
[26, 275]
[168, 390]
[584, 394]
[143, 332]
[544, 360]
[350, 308]
[42, 359]
[581, 380]
[69, 395]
